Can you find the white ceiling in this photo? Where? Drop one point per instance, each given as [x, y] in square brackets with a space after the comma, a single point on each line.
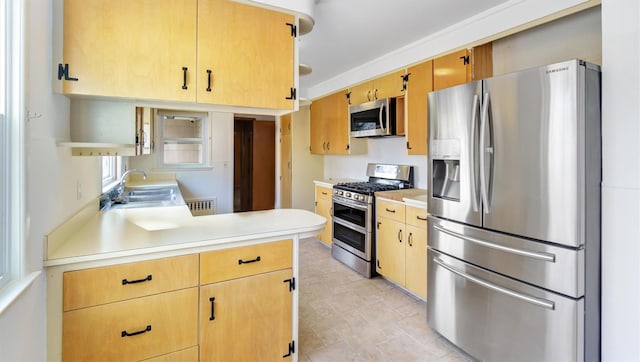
[349, 33]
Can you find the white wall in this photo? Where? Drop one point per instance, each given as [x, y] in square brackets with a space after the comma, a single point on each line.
[52, 176]
[380, 150]
[214, 183]
[621, 180]
[305, 167]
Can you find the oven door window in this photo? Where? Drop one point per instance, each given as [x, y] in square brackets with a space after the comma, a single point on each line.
[353, 238]
[350, 214]
[368, 120]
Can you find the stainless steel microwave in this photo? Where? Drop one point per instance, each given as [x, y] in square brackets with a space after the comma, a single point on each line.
[373, 119]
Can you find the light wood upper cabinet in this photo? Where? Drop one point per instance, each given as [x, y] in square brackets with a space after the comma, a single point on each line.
[390, 85]
[131, 49]
[463, 66]
[324, 205]
[420, 83]
[245, 55]
[329, 128]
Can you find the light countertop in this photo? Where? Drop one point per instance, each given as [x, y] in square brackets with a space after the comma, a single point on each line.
[137, 231]
[330, 182]
[399, 195]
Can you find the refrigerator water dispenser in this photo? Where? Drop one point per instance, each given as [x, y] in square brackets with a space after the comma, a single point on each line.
[446, 179]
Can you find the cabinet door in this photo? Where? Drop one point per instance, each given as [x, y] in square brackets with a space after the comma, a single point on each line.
[361, 93]
[390, 85]
[133, 49]
[324, 204]
[245, 55]
[246, 319]
[390, 249]
[416, 260]
[285, 161]
[452, 69]
[420, 83]
[337, 124]
[317, 126]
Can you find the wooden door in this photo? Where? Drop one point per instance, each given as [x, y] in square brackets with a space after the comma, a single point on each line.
[420, 83]
[264, 165]
[243, 164]
[416, 260]
[390, 85]
[390, 249]
[134, 49]
[452, 69]
[337, 124]
[317, 126]
[246, 319]
[285, 161]
[245, 55]
[361, 93]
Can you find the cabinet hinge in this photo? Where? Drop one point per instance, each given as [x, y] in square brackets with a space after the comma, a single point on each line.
[292, 94]
[348, 95]
[294, 29]
[408, 147]
[63, 72]
[292, 349]
[405, 80]
[465, 59]
[347, 147]
[292, 283]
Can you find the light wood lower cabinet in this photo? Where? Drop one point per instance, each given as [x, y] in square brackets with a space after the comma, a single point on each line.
[246, 319]
[132, 329]
[401, 245]
[324, 206]
[226, 305]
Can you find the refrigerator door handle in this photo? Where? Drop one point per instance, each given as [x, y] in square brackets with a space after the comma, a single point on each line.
[531, 254]
[472, 156]
[484, 184]
[527, 298]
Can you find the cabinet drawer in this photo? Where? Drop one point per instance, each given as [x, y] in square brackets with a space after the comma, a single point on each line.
[244, 261]
[189, 354]
[323, 193]
[133, 329]
[89, 287]
[390, 210]
[416, 217]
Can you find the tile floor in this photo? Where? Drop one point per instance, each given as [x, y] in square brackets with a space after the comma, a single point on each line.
[346, 317]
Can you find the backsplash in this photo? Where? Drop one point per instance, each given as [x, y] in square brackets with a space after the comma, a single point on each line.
[391, 150]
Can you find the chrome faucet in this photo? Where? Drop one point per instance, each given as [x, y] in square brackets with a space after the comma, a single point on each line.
[124, 177]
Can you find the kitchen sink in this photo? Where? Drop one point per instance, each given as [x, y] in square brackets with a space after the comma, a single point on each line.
[148, 196]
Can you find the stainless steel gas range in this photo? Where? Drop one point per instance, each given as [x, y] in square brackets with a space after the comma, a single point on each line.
[354, 214]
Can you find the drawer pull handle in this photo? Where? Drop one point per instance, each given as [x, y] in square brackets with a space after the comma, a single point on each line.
[391, 211]
[184, 77]
[125, 334]
[421, 218]
[410, 237]
[148, 278]
[213, 316]
[240, 261]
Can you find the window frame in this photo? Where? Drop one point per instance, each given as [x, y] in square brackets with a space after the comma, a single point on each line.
[204, 140]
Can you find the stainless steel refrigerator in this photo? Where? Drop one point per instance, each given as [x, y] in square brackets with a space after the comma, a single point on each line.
[514, 225]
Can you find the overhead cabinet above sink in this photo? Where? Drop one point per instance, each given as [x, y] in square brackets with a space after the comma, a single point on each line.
[199, 51]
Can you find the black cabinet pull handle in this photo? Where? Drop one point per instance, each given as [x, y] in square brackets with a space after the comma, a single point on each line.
[400, 235]
[148, 278]
[184, 77]
[421, 218]
[368, 95]
[212, 299]
[410, 237]
[391, 211]
[240, 261]
[208, 80]
[125, 334]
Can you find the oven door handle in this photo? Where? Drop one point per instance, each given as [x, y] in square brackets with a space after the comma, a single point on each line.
[527, 298]
[347, 203]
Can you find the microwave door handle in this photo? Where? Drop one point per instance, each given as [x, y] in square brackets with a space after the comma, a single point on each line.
[472, 156]
[483, 153]
[382, 128]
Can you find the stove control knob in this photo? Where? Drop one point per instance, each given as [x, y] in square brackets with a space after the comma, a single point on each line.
[361, 197]
[348, 194]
